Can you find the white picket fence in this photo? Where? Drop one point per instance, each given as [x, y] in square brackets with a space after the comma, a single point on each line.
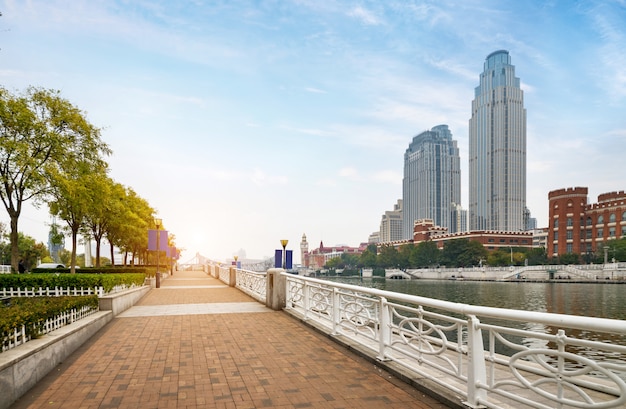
[18, 336]
[50, 292]
[61, 291]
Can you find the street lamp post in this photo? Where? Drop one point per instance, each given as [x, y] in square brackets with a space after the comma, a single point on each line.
[157, 222]
[284, 244]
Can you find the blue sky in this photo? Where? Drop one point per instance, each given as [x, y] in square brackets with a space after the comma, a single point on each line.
[247, 122]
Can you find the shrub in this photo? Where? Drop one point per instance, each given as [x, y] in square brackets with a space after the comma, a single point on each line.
[32, 312]
[65, 280]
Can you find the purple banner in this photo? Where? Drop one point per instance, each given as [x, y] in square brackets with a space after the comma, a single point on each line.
[278, 259]
[174, 253]
[289, 260]
[152, 240]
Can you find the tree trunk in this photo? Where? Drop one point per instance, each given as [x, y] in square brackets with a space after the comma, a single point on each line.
[73, 259]
[112, 254]
[15, 250]
[97, 251]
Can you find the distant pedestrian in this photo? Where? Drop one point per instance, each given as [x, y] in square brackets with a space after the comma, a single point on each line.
[21, 268]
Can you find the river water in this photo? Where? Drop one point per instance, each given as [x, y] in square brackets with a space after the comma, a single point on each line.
[589, 300]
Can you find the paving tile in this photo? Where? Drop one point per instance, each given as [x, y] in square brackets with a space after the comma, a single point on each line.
[196, 343]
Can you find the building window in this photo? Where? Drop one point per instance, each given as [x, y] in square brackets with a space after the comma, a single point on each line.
[611, 231]
[623, 231]
[612, 218]
[570, 236]
[570, 223]
[555, 249]
[589, 222]
[600, 219]
[569, 248]
[556, 223]
[600, 233]
[589, 234]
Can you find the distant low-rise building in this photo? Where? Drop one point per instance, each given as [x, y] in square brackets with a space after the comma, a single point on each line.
[425, 230]
[318, 257]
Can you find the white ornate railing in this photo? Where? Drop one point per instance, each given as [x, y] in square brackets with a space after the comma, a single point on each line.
[252, 283]
[18, 336]
[491, 357]
[224, 274]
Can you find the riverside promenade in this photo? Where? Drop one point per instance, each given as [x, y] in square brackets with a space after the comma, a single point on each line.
[197, 343]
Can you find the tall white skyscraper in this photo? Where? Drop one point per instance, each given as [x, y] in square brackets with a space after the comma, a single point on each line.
[431, 187]
[497, 149]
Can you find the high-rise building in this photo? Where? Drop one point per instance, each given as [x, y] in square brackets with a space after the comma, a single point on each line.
[431, 187]
[497, 149]
[391, 224]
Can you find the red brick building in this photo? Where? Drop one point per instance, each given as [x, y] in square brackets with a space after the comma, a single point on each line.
[576, 226]
[318, 257]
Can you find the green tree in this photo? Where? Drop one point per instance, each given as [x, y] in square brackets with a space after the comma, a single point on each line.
[537, 256]
[569, 258]
[368, 257]
[426, 254]
[333, 263]
[463, 253]
[388, 257]
[349, 261]
[499, 257]
[31, 251]
[38, 129]
[102, 206]
[128, 225]
[619, 249]
[72, 198]
[404, 256]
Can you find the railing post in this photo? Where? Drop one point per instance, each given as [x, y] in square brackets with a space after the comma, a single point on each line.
[232, 276]
[384, 330]
[477, 373]
[336, 310]
[306, 301]
[276, 289]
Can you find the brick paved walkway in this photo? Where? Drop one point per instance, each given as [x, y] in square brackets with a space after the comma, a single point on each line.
[195, 343]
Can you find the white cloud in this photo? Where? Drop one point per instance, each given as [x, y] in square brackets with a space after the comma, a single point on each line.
[388, 176]
[260, 178]
[315, 90]
[349, 173]
[365, 16]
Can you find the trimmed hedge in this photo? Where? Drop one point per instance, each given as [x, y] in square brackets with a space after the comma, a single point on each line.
[94, 270]
[32, 312]
[66, 280]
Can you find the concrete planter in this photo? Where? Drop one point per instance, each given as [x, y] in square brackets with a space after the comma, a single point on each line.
[22, 367]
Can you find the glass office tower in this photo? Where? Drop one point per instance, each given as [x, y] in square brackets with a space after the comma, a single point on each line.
[431, 187]
[497, 149]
